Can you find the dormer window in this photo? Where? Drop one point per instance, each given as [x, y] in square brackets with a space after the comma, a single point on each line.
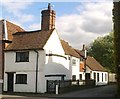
[22, 56]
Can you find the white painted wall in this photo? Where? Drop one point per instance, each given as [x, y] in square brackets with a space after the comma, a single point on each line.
[54, 44]
[41, 72]
[29, 87]
[56, 64]
[76, 67]
[100, 82]
[12, 66]
[28, 68]
[52, 68]
[47, 65]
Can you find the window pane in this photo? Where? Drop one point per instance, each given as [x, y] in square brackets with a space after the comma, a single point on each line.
[74, 62]
[102, 77]
[22, 56]
[21, 78]
[94, 76]
[98, 77]
[17, 57]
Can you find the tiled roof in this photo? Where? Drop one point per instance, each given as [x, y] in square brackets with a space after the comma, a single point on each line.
[93, 64]
[12, 28]
[69, 50]
[29, 40]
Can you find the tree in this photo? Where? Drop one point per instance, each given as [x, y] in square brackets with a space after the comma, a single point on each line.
[116, 20]
[103, 51]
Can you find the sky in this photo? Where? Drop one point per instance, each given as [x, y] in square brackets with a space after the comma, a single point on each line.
[76, 22]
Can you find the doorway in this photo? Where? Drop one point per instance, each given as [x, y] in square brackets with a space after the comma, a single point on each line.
[10, 81]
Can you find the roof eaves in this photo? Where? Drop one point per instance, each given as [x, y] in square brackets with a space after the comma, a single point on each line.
[22, 49]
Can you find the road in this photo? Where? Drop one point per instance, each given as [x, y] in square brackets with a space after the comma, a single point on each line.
[104, 91]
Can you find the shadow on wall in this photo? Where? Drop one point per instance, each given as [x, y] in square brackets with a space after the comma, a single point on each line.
[53, 68]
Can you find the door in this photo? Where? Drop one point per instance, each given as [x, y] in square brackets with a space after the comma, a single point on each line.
[10, 82]
[87, 76]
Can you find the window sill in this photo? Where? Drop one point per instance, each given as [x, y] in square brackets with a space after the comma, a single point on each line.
[21, 62]
[22, 84]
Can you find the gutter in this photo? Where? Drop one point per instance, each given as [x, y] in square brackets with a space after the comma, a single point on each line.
[36, 83]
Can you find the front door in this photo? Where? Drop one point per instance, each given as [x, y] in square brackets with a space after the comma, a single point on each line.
[87, 76]
[10, 81]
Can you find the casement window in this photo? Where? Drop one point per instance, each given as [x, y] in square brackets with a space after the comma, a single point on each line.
[98, 77]
[22, 56]
[94, 76]
[69, 58]
[102, 77]
[74, 62]
[73, 77]
[21, 78]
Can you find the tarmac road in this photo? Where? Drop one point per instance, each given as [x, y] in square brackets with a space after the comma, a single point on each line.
[107, 92]
[104, 91]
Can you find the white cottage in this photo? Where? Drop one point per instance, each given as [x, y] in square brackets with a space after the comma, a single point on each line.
[31, 59]
[91, 69]
[34, 57]
[95, 70]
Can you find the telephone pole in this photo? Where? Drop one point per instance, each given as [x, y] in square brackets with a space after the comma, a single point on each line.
[116, 20]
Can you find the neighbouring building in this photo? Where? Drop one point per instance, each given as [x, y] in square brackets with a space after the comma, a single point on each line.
[91, 69]
[95, 71]
[6, 30]
[74, 59]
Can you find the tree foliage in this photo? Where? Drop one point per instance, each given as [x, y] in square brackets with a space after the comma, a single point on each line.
[103, 51]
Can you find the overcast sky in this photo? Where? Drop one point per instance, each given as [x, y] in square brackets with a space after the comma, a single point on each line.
[76, 22]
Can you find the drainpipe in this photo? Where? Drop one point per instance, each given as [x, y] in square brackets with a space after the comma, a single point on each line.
[36, 83]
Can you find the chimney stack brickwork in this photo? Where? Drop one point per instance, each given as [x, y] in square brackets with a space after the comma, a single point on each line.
[48, 19]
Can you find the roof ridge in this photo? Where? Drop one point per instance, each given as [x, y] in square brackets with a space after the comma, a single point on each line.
[28, 32]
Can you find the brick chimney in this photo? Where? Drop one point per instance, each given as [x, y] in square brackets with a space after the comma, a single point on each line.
[48, 19]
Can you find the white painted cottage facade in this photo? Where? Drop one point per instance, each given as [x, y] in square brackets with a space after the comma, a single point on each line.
[91, 69]
[96, 71]
[50, 64]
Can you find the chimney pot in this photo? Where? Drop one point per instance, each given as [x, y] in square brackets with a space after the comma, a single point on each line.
[49, 6]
